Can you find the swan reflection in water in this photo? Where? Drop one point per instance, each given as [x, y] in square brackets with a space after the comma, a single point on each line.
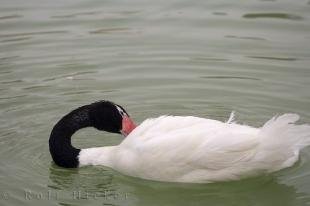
[110, 187]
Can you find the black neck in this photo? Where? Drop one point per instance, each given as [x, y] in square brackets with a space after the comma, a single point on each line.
[61, 149]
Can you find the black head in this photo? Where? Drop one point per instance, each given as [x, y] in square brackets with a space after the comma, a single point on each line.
[107, 116]
[102, 115]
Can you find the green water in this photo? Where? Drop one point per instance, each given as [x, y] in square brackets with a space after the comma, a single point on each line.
[202, 58]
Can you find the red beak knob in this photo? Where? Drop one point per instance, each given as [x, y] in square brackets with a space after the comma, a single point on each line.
[127, 126]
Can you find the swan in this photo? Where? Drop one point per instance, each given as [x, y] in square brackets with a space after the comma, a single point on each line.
[180, 148]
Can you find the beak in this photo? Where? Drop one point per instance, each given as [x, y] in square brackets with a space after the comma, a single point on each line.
[127, 126]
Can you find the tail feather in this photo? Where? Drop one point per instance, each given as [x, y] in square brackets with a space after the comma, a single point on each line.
[280, 121]
[284, 130]
[282, 139]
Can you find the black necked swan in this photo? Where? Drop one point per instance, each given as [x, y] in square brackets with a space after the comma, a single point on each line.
[180, 148]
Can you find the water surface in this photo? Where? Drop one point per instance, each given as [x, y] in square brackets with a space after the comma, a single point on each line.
[202, 58]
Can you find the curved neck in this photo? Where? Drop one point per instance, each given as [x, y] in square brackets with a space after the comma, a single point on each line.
[61, 149]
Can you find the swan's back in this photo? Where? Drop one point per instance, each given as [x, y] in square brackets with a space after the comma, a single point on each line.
[174, 148]
[191, 149]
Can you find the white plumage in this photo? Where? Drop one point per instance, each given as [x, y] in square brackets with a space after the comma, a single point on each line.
[192, 149]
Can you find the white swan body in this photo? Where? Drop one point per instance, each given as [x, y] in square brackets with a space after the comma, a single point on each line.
[192, 149]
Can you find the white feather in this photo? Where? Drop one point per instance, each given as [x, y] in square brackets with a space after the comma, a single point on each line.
[192, 149]
[231, 117]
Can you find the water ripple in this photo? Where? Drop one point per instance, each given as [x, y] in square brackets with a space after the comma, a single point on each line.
[274, 58]
[88, 13]
[32, 33]
[209, 59]
[110, 30]
[219, 13]
[229, 77]
[273, 16]
[12, 81]
[203, 59]
[14, 16]
[13, 97]
[16, 39]
[245, 37]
